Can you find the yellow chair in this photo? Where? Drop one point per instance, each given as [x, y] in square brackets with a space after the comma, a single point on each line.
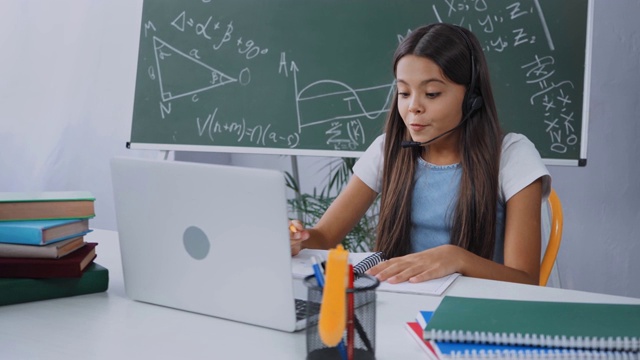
[555, 237]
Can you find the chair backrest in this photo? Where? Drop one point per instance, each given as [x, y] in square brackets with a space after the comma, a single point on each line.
[555, 237]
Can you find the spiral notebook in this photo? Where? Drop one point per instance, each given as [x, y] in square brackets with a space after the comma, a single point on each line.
[301, 267]
[445, 350]
[611, 327]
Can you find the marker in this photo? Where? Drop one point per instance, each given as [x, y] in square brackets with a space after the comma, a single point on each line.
[317, 272]
[333, 315]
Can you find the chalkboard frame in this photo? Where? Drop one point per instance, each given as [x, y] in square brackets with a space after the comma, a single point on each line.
[579, 159]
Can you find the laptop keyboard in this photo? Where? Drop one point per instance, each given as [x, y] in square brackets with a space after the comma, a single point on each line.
[301, 309]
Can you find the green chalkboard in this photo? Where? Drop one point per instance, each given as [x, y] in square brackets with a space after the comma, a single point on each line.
[311, 77]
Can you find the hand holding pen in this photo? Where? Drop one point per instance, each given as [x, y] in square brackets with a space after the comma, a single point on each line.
[297, 234]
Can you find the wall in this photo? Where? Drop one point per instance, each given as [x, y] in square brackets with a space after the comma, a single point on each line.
[66, 93]
[68, 76]
[601, 243]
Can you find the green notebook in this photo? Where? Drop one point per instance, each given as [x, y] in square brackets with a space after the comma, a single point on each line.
[536, 323]
[94, 279]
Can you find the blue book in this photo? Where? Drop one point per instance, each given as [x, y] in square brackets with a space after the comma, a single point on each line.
[42, 232]
[423, 318]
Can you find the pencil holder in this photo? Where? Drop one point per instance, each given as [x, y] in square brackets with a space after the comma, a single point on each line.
[364, 321]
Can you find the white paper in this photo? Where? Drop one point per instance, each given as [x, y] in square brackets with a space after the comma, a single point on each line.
[430, 287]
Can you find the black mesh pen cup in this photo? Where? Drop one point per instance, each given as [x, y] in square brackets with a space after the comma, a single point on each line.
[364, 321]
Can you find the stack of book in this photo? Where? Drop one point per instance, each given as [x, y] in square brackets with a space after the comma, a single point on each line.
[469, 328]
[43, 253]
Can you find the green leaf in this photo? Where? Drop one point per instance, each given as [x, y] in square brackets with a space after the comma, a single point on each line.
[313, 206]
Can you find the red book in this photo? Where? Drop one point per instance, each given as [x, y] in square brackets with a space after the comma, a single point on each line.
[416, 333]
[69, 266]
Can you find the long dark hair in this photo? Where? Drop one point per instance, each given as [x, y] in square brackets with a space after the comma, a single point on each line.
[473, 225]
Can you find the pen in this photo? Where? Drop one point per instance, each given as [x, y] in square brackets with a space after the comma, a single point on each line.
[350, 315]
[317, 272]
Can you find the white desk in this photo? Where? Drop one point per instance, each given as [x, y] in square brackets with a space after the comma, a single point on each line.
[111, 326]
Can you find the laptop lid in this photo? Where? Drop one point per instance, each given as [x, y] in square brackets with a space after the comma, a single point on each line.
[210, 239]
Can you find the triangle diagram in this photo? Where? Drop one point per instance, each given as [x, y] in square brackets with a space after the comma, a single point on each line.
[182, 75]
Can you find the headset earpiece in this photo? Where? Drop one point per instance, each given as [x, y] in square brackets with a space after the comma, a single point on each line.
[472, 100]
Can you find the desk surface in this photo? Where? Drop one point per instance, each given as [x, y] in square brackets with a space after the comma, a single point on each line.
[111, 326]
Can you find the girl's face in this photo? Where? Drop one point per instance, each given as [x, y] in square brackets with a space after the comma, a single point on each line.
[428, 102]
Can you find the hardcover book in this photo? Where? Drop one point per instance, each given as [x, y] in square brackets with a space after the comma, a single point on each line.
[70, 266]
[40, 232]
[46, 205]
[51, 251]
[94, 279]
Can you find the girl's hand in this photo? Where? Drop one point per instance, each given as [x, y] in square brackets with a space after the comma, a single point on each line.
[418, 267]
[297, 234]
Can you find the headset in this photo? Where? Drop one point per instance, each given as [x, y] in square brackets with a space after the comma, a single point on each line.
[472, 99]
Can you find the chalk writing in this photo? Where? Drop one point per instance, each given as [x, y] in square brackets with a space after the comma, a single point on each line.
[504, 30]
[260, 134]
[552, 97]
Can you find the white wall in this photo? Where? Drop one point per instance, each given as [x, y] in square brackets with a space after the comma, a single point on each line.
[601, 243]
[67, 77]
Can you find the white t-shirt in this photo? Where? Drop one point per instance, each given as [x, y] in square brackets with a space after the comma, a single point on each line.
[520, 165]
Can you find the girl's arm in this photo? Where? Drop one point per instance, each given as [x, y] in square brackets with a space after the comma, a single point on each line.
[521, 250]
[343, 214]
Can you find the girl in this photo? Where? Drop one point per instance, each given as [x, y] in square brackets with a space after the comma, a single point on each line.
[456, 195]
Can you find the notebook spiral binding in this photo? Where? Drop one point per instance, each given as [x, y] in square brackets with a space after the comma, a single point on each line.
[368, 262]
[579, 342]
[561, 354]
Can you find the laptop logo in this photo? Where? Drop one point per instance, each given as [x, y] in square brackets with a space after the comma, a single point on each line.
[196, 242]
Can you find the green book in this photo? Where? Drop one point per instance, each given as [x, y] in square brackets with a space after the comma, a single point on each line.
[536, 323]
[46, 205]
[19, 290]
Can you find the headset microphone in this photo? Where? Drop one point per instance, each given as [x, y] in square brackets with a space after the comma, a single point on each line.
[407, 144]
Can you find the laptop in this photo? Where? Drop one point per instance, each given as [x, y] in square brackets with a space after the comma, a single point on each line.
[209, 239]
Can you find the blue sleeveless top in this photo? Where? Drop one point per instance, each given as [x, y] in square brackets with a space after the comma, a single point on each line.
[435, 193]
